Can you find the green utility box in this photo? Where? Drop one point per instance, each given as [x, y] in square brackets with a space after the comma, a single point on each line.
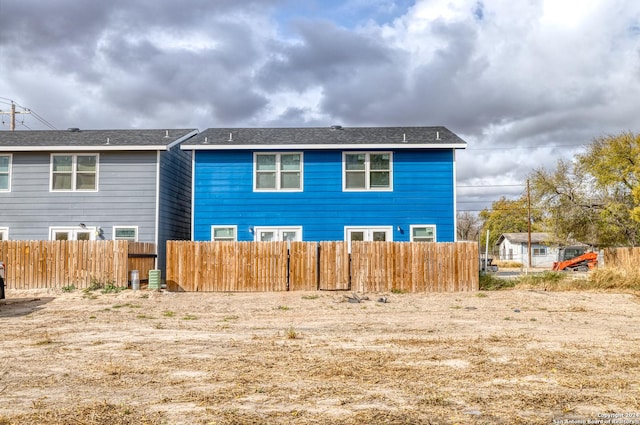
[154, 279]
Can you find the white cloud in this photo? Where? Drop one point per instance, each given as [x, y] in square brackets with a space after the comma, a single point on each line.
[538, 73]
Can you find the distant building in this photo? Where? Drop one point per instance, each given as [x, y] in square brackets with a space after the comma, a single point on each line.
[514, 247]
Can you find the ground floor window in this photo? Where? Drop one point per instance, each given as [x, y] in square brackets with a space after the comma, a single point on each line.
[4, 233]
[277, 234]
[423, 233]
[125, 233]
[368, 234]
[224, 233]
[540, 251]
[80, 233]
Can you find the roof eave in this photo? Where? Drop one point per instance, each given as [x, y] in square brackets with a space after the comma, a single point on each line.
[94, 148]
[318, 146]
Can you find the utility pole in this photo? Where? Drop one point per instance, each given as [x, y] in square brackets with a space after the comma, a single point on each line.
[12, 115]
[529, 221]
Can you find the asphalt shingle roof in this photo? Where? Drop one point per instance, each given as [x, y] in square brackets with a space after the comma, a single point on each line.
[94, 139]
[536, 237]
[220, 138]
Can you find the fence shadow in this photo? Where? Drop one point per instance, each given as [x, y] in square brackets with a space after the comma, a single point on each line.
[16, 307]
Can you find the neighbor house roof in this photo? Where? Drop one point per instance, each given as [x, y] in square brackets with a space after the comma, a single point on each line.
[536, 237]
[75, 139]
[334, 137]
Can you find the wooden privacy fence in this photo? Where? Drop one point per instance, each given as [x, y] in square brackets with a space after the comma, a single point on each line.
[142, 257]
[281, 266]
[622, 258]
[57, 264]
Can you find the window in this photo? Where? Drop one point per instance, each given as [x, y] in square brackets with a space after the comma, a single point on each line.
[70, 173]
[367, 171]
[4, 233]
[79, 233]
[224, 233]
[368, 234]
[277, 172]
[5, 173]
[124, 233]
[540, 251]
[421, 233]
[277, 234]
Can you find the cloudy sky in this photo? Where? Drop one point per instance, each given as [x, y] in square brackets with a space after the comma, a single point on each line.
[524, 82]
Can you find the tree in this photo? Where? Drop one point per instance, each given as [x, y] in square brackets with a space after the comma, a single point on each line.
[596, 198]
[468, 226]
[505, 216]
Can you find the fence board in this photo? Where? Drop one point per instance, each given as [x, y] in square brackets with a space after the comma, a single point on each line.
[334, 270]
[371, 267]
[56, 264]
[626, 258]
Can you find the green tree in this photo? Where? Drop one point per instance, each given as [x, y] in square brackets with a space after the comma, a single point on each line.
[596, 198]
[505, 216]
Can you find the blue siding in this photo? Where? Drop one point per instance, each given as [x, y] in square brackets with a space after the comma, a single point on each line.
[423, 190]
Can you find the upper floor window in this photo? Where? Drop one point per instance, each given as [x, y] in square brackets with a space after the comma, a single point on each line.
[71, 172]
[277, 171]
[4, 233]
[420, 233]
[5, 173]
[367, 171]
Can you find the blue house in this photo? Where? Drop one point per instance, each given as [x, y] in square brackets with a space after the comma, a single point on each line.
[317, 184]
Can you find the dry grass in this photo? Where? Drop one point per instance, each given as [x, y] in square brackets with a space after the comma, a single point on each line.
[413, 360]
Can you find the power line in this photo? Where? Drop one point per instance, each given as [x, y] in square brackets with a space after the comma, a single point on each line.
[13, 112]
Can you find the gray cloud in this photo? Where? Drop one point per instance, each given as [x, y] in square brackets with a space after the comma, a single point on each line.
[539, 76]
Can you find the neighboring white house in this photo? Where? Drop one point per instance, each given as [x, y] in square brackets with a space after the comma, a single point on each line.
[514, 247]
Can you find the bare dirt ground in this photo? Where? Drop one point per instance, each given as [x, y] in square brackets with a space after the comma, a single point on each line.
[502, 357]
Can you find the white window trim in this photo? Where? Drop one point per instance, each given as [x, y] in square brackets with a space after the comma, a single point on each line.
[278, 230]
[73, 230]
[533, 251]
[278, 171]
[74, 172]
[221, 226]
[125, 227]
[8, 189]
[4, 231]
[367, 172]
[387, 229]
[435, 231]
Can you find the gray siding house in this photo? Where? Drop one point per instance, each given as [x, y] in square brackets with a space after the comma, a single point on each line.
[96, 184]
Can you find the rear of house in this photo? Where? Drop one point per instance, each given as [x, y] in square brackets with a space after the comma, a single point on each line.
[95, 184]
[317, 184]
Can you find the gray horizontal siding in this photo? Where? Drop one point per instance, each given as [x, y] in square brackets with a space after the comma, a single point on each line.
[126, 197]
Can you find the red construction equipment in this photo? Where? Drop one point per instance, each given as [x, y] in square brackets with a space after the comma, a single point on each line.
[575, 258]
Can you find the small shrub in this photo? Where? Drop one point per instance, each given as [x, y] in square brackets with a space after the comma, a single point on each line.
[168, 314]
[489, 282]
[508, 264]
[283, 308]
[69, 288]
[189, 317]
[310, 297]
[291, 333]
[112, 289]
[398, 291]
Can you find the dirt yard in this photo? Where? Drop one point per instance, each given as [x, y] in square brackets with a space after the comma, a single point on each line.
[143, 357]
